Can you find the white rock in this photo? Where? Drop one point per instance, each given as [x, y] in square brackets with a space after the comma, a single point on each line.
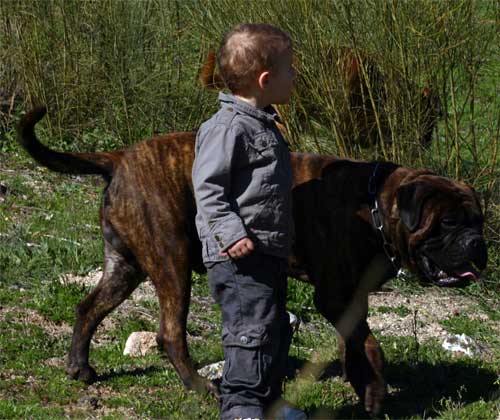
[90, 280]
[213, 371]
[294, 321]
[460, 343]
[140, 343]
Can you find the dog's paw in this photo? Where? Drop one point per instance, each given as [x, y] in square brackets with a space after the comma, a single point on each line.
[85, 374]
[374, 397]
[213, 389]
[203, 386]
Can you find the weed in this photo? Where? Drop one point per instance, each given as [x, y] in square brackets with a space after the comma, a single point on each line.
[474, 328]
[400, 310]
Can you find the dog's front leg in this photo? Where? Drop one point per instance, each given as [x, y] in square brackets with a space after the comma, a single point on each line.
[363, 362]
[360, 353]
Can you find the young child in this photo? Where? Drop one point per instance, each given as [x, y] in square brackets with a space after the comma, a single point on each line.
[242, 182]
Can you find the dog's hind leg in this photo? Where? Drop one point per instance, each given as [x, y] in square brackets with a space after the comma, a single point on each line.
[120, 278]
[173, 286]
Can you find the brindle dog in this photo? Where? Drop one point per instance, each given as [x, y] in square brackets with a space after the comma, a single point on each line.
[430, 224]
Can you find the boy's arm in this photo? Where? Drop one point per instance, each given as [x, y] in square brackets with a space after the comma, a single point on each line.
[212, 183]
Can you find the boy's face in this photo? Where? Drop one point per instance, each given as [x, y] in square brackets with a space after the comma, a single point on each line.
[281, 79]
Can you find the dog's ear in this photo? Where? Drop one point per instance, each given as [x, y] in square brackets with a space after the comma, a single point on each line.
[410, 199]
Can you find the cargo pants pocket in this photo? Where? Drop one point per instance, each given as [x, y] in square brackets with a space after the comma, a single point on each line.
[248, 360]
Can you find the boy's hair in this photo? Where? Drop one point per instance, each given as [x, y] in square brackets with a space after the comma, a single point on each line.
[247, 50]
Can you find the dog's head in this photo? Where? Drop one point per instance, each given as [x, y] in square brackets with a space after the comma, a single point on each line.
[442, 225]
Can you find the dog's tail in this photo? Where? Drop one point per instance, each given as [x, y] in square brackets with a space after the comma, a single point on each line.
[69, 163]
[208, 77]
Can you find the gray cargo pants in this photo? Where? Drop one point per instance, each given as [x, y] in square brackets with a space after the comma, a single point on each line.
[256, 332]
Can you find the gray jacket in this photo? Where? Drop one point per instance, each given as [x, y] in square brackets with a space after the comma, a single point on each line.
[242, 180]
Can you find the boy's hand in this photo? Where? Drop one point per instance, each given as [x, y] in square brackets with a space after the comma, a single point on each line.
[239, 249]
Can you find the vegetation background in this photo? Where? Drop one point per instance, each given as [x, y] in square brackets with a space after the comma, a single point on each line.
[115, 72]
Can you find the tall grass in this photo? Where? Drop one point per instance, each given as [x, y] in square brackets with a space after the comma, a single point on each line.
[122, 68]
[114, 72]
[449, 47]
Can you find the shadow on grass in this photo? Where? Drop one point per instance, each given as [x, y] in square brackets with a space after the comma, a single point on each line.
[295, 365]
[120, 373]
[416, 390]
[420, 387]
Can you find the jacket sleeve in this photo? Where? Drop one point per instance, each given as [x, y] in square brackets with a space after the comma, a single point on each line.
[215, 150]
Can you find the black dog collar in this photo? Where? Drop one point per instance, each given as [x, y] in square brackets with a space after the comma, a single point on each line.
[378, 223]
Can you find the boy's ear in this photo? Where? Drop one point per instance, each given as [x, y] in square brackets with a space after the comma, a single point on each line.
[263, 79]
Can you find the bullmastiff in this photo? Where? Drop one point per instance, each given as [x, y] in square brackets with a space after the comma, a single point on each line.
[356, 224]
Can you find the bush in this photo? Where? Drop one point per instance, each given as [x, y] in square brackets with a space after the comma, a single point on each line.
[113, 73]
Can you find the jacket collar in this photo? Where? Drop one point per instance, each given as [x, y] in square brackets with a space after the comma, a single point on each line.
[268, 114]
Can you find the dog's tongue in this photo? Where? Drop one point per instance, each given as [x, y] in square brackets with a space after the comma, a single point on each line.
[475, 276]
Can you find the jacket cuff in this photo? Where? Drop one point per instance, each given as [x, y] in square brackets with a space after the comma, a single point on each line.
[227, 231]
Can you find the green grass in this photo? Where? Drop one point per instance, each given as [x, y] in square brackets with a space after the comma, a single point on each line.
[37, 312]
[471, 327]
[400, 310]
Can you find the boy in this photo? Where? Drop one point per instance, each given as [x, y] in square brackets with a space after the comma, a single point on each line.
[242, 181]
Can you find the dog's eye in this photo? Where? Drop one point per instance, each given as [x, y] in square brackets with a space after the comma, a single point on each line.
[448, 223]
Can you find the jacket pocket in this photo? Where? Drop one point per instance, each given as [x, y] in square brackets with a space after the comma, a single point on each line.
[263, 145]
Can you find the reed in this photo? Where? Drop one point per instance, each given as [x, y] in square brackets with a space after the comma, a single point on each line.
[113, 73]
[446, 49]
